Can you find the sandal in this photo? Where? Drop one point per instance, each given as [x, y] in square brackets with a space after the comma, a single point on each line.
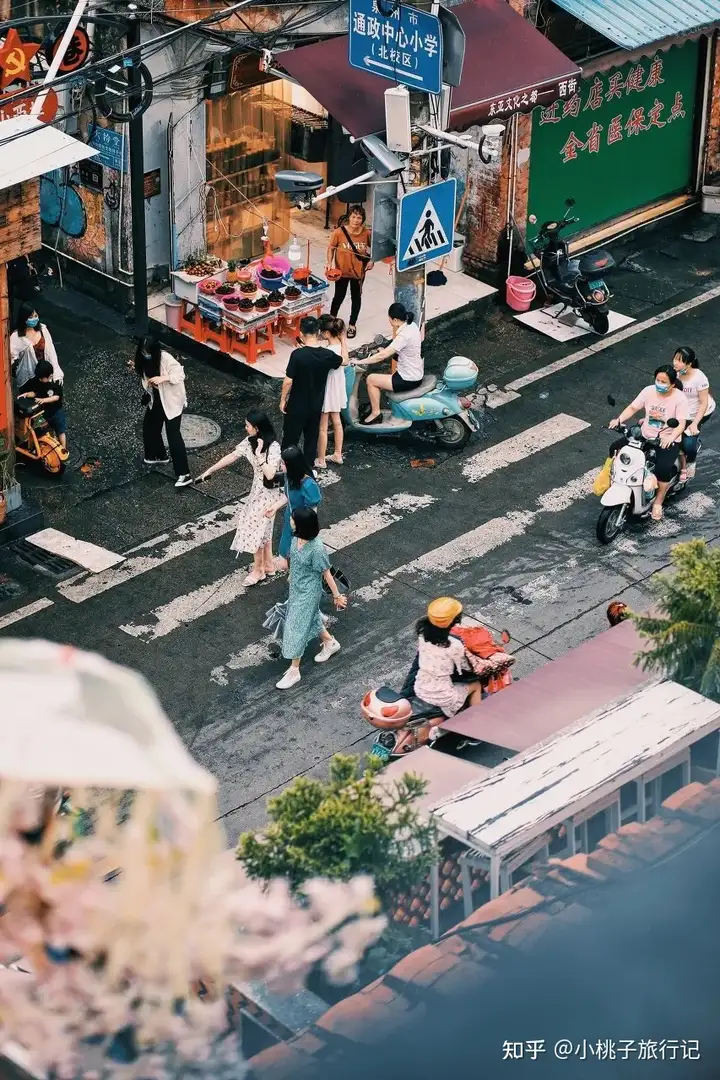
[351, 331]
[337, 459]
[682, 478]
[656, 513]
[253, 579]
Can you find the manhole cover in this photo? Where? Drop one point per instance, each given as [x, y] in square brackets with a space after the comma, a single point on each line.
[9, 588]
[198, 431]
[44, 562]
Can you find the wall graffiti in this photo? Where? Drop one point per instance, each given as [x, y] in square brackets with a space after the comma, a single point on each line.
[75, 214]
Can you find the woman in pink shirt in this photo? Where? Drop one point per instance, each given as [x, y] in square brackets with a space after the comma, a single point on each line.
[662, 401]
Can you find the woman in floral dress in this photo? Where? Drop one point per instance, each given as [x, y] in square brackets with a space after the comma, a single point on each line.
[254, 529]
[309, 564]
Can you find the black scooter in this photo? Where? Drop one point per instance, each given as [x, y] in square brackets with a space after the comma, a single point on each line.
[578, 284]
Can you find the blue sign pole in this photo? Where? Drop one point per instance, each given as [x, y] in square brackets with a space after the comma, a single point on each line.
[405, 47]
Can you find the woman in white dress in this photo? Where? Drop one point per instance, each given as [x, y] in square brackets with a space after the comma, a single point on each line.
[254, 530]
[332, 330]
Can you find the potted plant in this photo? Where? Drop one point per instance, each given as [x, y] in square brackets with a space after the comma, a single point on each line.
[231, 271]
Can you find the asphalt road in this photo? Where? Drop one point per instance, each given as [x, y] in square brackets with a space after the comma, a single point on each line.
[508, 526]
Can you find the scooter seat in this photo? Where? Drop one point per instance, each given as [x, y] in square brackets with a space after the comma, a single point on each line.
[429, 383]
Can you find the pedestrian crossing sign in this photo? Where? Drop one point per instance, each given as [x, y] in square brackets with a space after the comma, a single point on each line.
[426, 224]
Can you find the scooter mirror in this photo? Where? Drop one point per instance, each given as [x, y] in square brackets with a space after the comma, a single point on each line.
[611, 400]
[569, 202]
[532, 219]
[673, 422]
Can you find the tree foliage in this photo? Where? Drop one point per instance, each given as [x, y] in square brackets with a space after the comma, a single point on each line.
[352, 823]
[684, 629]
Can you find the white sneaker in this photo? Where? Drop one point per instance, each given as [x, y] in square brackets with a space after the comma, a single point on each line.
[329, 649]
[183, 481]
[290, 678]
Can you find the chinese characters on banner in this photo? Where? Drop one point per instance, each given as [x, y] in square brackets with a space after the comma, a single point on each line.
[630, 121]
[396, 44]
[526, 101]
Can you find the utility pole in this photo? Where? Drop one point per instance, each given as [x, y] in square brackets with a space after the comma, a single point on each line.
[410, 284]
[137, 184]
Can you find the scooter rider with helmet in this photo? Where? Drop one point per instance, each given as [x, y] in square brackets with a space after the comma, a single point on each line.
[407, 346]
[442, 674]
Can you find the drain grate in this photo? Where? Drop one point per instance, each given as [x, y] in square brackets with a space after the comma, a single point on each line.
[44, 562]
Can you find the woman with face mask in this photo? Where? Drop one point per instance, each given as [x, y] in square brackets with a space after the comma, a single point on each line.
[701, 405]
[30, 342]
[163, 380]
[662, 401]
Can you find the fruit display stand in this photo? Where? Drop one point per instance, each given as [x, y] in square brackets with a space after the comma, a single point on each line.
[240, 322]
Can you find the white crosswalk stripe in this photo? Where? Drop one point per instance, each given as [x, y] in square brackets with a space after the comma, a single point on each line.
[162, 549]
[479, 541]
[521, 446]
[194, 605]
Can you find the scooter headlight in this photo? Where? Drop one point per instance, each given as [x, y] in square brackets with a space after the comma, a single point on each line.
[598, 295]
[625, 459]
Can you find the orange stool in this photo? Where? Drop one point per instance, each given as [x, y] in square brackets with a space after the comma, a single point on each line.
[214, 334]
[289, 325]
[190, 320]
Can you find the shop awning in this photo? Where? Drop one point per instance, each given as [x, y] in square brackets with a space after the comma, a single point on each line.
[509, 67]
[632, 24]
[29, 148]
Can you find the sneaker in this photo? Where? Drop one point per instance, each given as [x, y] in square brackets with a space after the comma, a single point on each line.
[329, 649]
[183, 481]
[290, 678]
[156, 461]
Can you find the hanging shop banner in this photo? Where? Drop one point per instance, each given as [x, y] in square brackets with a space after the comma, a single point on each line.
[622, 140]
[12, 105]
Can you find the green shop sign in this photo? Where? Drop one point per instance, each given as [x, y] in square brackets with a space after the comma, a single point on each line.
[621, 140]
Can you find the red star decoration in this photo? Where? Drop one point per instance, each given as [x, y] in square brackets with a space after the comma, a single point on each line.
[15, 57]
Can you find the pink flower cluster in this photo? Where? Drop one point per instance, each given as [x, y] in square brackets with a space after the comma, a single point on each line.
[103, 952]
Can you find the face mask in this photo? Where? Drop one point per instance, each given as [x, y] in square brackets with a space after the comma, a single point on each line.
[662, 388]
[682, 371]
[33, 322]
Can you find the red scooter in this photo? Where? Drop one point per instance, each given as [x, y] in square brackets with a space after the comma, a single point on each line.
[405, 722]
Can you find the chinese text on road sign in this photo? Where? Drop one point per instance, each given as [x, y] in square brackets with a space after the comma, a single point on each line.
[426, 224]
[405, 47]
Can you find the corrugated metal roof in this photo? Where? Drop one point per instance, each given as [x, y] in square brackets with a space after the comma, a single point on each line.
[633, 23]
[29, 148]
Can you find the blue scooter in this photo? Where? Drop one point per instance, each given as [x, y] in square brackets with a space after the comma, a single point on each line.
[432, 410]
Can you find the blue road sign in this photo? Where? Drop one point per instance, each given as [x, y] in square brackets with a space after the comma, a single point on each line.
[426, 224]
[405, 47]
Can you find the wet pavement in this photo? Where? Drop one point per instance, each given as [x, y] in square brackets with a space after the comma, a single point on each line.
[516, 542]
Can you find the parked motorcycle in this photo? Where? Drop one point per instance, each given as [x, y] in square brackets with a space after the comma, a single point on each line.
[405, 723]
[633, 485]
[34, 441]
[434, 410]
[578, 284]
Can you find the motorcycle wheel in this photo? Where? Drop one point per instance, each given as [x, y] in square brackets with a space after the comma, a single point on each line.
[610, 523]
[598, 320]
[453, 433]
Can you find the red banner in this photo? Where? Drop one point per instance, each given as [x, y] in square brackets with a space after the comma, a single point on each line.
[13, 105]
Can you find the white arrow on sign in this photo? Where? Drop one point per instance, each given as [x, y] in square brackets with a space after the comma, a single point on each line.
[389, 67]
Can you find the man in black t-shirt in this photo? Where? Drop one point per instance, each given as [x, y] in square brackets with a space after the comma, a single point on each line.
[303, 389]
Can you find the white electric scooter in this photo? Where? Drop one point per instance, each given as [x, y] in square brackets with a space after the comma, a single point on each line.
[633, 484]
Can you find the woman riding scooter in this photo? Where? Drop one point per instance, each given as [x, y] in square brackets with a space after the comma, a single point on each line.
[440, 657]
[406, 345]
[662, 401]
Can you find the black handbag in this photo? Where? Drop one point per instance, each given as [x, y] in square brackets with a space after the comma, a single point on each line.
[341, 582]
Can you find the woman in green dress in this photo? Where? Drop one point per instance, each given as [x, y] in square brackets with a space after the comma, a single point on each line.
[309, 564]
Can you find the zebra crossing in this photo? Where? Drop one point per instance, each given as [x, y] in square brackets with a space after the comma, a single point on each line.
[507, 527]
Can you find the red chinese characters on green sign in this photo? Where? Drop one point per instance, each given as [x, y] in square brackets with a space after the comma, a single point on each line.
[621, 139]
[632, 123]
